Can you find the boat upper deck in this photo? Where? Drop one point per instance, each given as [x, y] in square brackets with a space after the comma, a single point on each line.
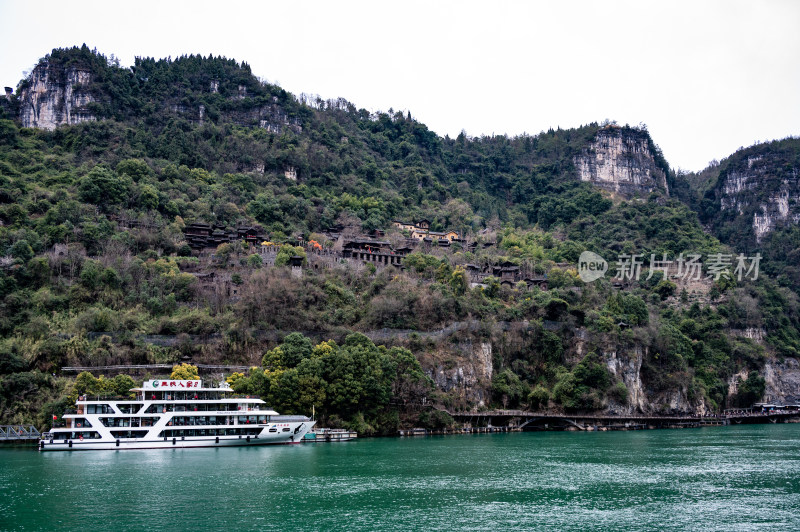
[187, 390]
[163, 396]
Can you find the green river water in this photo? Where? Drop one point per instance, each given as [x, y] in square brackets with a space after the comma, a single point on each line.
[725, 478]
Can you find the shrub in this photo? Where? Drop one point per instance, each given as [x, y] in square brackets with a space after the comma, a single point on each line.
[539, 397]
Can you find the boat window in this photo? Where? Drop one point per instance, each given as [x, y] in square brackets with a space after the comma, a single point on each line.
[129, 433]
[115, 422]
[130, 408]
[148, 421]
[85, 435]
[99, 409]
[285, 429]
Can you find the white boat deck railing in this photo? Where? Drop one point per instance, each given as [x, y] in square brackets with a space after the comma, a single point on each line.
[288, 419]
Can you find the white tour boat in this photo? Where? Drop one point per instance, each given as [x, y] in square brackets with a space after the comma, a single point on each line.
[171, 414]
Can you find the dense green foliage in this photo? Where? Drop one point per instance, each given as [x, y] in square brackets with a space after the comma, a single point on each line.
[351, 384]
[97, 264]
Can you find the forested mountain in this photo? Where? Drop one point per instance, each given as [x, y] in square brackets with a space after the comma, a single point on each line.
[104, 169]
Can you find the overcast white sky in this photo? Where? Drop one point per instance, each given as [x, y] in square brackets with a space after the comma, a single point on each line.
[706, 77]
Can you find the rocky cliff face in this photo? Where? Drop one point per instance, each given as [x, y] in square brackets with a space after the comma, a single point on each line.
[782, 381]
[764, 192]
[626, 365]
[627, 368]
[54, 96]
[271, 117]
[467, 377]
[620, 160]
[464, 371]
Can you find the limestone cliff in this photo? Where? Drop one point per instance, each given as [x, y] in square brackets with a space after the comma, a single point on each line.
[751, 194]
[464, 371]
[627, 368]
[466, 374]
[621, 160]
[55, 95]
[270, 116]
[782, 381]
[765, 193]
[624, 363]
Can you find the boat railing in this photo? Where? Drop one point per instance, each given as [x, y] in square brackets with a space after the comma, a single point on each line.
[109, 397]
[288, 419]
[240, 396]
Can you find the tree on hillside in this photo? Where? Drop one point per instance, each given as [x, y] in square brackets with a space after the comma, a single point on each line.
[103, 187]
[287, 252]
[184, 372]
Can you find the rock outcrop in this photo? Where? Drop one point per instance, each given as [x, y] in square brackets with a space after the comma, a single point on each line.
[782, 379]
[624, 363]
[467, 377]
[760, 189]
[54, 96]
[626, 366]
[271, 117]
[620, 160]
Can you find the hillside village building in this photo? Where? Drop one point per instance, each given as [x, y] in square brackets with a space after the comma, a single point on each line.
[422, 231]
[381, 253]
[200, 235]
[374, 251]
[508, 273]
